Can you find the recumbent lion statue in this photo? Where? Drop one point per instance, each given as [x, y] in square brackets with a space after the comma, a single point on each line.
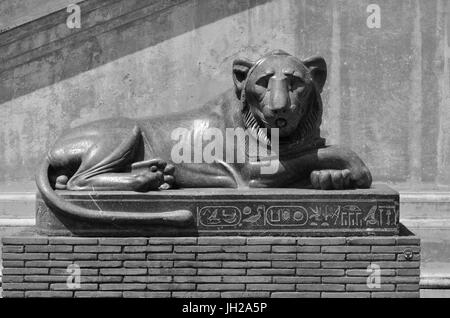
[122, 154]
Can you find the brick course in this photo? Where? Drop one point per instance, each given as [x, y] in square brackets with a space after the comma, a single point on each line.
[211, 267]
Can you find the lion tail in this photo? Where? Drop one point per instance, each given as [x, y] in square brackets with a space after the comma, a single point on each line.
[178, 218]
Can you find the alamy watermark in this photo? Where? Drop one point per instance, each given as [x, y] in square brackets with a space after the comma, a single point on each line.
[209, 145]
[374, 19]
[73, 21]
[374, 278]
[74, 276]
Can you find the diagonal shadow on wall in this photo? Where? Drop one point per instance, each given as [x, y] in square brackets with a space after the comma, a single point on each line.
[45, 51]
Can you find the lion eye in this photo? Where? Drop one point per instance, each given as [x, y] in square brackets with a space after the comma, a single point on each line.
[295, 82]
[263, 81]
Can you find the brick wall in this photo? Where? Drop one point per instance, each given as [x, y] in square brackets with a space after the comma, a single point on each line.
[211, 266]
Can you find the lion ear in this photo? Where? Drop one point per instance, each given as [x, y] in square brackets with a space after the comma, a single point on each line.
[318, 69]
[240, 72]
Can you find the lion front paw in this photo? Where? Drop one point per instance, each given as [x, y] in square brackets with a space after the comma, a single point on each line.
[362, 178]
[330, 179]
[340, 179]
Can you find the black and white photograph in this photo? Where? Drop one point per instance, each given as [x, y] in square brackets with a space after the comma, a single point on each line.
[223, 153]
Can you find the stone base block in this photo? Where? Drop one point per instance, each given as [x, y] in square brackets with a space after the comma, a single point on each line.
[249, 212]
[226, 266]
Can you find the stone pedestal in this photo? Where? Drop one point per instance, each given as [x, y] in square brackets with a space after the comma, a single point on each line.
[251, 212]
[243, 243]
[222, 266]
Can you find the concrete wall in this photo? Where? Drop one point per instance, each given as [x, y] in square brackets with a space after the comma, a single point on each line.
[387, 94]
[14, 13]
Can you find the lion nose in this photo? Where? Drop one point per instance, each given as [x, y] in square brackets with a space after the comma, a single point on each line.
[279, 96]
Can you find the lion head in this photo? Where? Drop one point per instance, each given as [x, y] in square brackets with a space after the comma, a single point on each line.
[281, 91]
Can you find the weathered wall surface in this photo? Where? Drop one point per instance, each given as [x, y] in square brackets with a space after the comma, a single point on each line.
[14, 13]
[387, 94]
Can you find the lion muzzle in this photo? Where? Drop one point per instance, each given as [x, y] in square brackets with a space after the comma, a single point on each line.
[279, 95]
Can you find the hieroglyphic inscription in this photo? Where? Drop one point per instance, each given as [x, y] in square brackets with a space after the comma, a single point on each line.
[219, 215]
[296, 215]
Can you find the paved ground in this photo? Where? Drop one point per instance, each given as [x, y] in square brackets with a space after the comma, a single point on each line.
[435, 293]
